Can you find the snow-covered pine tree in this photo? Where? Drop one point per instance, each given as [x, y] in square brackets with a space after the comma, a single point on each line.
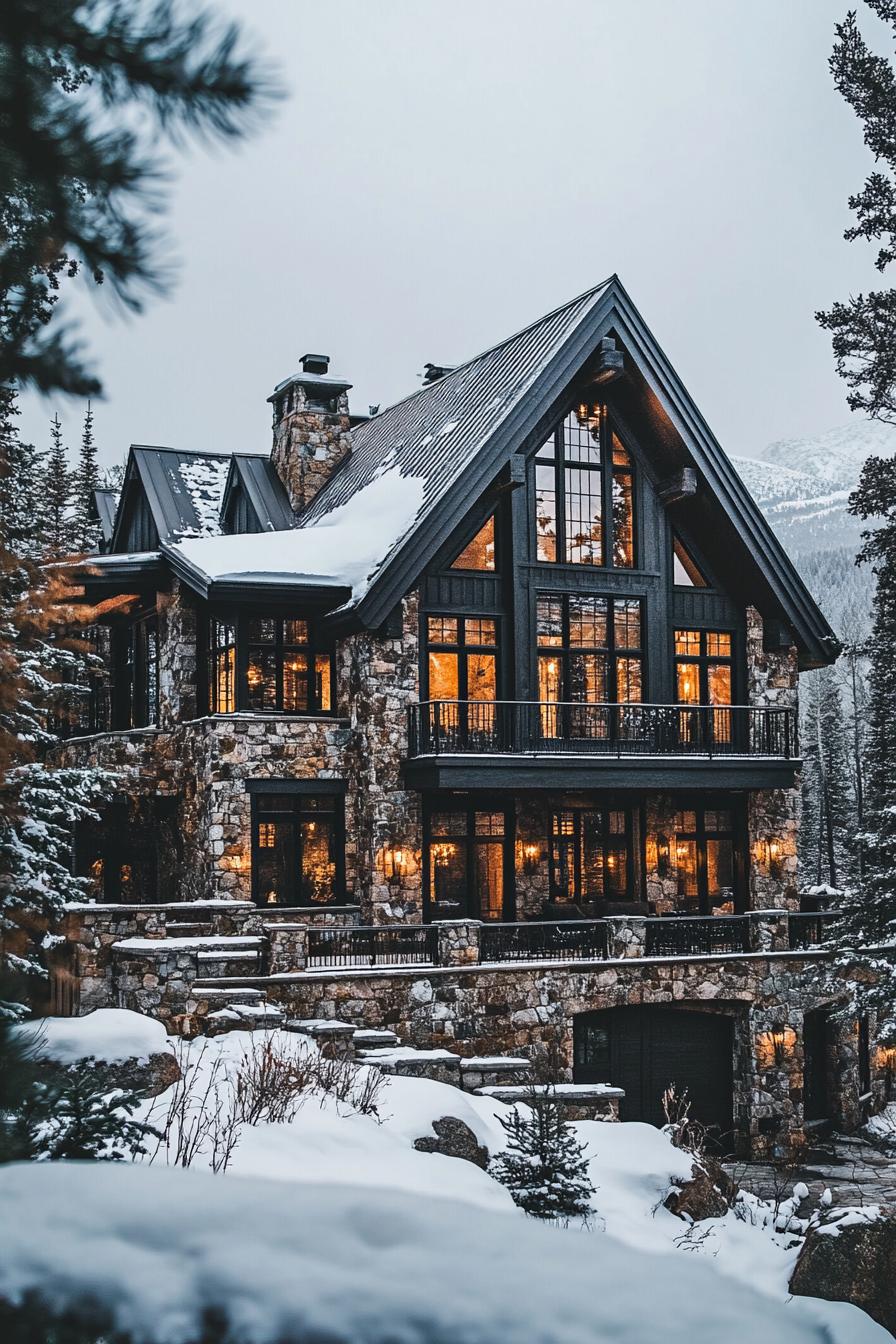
[41, 674]
[87, 479]
[828, 826]
[544, 1166]
[58, 493]
[870, 914]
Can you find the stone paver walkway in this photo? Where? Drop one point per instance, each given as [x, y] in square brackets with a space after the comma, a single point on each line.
[853, 1171]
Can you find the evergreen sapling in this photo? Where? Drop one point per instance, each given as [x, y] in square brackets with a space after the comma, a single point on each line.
[544, 1166]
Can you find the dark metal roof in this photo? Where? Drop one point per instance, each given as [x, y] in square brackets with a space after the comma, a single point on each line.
[437, 431]
[183, 490]
[258, 477]
[103, 506]
[460, 431]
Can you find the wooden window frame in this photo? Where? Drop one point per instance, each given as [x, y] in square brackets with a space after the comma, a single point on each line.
[578, 812]
[703, 660]
[469, 807]
[700, 805]
[462, 648]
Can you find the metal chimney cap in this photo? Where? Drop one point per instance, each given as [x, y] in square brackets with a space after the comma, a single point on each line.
[315, 363]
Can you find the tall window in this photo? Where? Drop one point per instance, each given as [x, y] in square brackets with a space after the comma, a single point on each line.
[479, 554]
[466, 862]
[222, 667]
[705, 859]
[584, 494]
[590, 856]
[589, 649]
[462, 658]
[284, 672]
[704, 675]
[143, 671]
[297, 856]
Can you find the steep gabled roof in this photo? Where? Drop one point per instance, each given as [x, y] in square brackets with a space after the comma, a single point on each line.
[448, 442]
[183, 491]
[257, 477]
[103, 506]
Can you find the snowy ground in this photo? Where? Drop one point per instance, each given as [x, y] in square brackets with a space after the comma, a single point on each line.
[335, 1219]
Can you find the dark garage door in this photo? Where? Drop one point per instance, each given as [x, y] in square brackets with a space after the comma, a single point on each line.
[643, 1050]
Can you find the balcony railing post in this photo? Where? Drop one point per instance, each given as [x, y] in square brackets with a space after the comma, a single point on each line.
[626, 936]
[458, 942]
[769, 931]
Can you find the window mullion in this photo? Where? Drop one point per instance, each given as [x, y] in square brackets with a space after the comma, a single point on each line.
[606, 491]
[560, 491]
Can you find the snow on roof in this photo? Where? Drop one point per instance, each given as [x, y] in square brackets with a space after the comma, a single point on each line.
[205, 478]
[343, 549]
[323, 1266]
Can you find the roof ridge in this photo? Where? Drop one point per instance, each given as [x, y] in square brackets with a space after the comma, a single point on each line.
[181, 452]
[489, 349]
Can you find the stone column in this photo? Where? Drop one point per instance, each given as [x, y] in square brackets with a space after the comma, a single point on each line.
[626, 936]
[288, 945]
[458, 942]
[769, 931]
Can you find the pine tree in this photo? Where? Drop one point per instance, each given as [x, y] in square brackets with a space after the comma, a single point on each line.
[828, 811]
[58, 494]
[42, 666]
[863, 330]
[87, 479]
[870, 913]
[96, 88]
[544, 1166]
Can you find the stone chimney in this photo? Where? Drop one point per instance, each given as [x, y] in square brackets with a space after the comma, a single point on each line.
[312, 430]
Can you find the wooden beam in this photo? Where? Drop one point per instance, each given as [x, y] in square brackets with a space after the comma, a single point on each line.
[683, 485]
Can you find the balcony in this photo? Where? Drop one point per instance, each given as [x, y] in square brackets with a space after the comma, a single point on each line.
[542, 744]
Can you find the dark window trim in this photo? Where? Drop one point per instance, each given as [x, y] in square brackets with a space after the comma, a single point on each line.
[606, 470]
[613, 651]
[469, 804]
[317, 646]
[461, 648]
[703, 660]
[604, 809]
[272, 789]
[701, 804]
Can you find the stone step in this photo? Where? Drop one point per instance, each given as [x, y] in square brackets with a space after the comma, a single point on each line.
[491, 1070]
[192, 929]
[223, 998]
[245, 1017]
[577, 1101]
[442, 1066]
[374, 1038]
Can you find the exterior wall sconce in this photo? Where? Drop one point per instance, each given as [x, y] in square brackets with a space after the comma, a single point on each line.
[394, 864]
[530, 858]
[775, 1046]
[662, 855]
[770, 856]
[885, 1060]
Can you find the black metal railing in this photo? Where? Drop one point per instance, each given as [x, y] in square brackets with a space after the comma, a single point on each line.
[390, 945]
[810, 928]
[674, 936]
[438, 727]
[563, 940]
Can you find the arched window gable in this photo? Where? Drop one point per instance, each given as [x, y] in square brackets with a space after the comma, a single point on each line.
[584, 490]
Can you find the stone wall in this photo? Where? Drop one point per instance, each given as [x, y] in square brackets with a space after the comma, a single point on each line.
[525, 1010]
[773, 816]
[309, 444]
[176, 611]
[381, 672]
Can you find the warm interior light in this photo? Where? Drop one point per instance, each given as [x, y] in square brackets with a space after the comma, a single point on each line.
[393, 863]
[272, 897]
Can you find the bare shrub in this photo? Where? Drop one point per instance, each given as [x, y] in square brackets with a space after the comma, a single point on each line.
[683, 1130]
[195, 1117]
[359, 1087]
[270, 1084]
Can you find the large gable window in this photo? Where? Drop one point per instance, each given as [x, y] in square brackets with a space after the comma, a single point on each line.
[584, 494]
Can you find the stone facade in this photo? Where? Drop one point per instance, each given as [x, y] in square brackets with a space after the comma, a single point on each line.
[309, 443]
[528, 1010]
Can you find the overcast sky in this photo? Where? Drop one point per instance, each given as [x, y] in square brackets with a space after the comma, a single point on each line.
[444, 172]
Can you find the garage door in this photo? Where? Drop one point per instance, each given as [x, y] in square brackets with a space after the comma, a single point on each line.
[644, 1050]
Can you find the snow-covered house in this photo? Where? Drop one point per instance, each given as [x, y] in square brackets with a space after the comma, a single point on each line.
[500, 681]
